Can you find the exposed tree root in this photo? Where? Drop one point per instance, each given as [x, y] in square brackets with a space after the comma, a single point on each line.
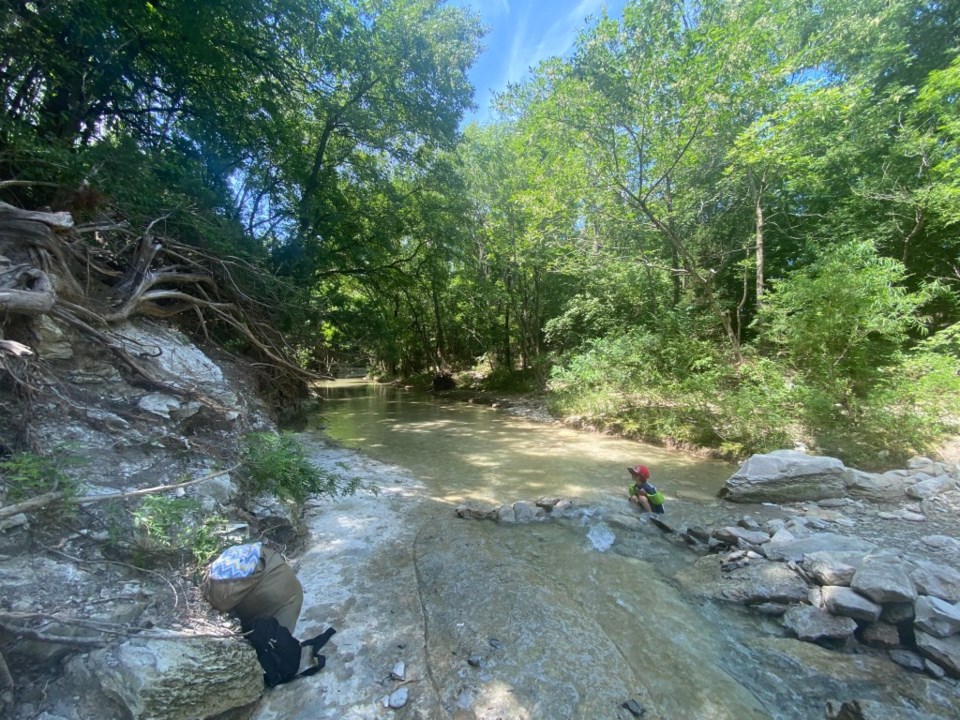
[95, 277]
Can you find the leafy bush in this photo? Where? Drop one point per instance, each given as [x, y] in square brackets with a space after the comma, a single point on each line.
[177, 526]
[26, 475]
[277, 463]
[843, 318]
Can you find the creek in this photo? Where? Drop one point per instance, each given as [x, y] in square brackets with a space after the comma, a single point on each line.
[563, 619]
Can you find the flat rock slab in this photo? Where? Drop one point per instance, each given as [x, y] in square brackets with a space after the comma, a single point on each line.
[810, 623]
[786, 476]
[799, 548]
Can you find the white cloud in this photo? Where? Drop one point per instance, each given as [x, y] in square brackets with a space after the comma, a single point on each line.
[555, 39]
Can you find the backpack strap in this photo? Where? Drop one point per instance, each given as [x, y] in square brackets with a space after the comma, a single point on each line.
[316, 643]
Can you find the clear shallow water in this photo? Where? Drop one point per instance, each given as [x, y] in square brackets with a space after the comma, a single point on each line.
[472, 453]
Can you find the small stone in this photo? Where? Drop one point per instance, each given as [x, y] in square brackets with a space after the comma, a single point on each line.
[634, 708]
[398, 671]
[474, 660]
[913, 516]
[770, 609]
[398, 698]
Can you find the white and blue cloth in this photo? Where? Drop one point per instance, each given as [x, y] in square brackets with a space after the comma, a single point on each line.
[239, 561]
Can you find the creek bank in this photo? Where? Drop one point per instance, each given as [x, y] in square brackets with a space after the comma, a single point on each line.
[84, 631]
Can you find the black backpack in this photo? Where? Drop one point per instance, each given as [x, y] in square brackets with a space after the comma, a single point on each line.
[279, 651]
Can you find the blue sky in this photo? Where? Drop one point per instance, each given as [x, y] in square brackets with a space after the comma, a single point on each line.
[520, 34]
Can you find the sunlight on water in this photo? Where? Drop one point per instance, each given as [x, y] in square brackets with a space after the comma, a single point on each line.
[472, 452]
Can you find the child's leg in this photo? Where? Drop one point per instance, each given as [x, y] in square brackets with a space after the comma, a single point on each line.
[644, 503]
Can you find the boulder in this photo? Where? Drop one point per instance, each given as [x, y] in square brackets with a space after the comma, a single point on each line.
[506, 514]
[799, 548]
[786, 476]
[828, 567]
[731, 535]
[943, 651]
[763, 582]
[476, 513]
[930, 487]
[172, 679]
[881, 635]
[936, 617]
[937, 580]
[907, 659]
[525, 512]
[871, 486]
[848, 603]
[884, 580]
[812, 624]
[897, 613]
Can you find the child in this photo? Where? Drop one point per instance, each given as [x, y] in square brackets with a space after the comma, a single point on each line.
[642, 492]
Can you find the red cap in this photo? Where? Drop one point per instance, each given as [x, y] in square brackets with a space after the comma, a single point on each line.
[641, 471]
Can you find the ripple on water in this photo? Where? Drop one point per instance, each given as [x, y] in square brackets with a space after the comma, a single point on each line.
[601, 537]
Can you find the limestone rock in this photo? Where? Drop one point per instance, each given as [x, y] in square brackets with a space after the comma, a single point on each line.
[527, 512]
[181, 679]
[936, 617]
[907, 659]
[941, 542]
[763, 582]
[937, 580]
[848, 603]
[943, 651]
[810, 623]
[897, 613]
[476, 513]
[786, 476]
[506, 514]
[828, 567]
[884, 580]
[818, 542]
[930, 487]
[871, 486]
[732, 535]
[881, 635]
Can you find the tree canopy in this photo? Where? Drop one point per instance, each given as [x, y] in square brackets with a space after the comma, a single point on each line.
[732, 224]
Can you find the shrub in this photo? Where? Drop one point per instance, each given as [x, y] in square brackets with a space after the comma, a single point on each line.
[177, 526]
[26, 475]
[277, 463]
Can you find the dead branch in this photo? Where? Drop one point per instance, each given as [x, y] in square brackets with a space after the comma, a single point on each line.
[41, 501]
[60, 220]
[43, 637]
[12, 347]
[8, 623]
